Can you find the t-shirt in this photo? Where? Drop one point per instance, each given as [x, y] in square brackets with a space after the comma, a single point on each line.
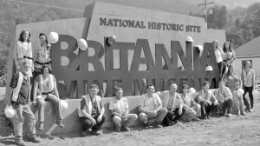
[94, 110]
[120, 106]
[218, 55]
[223, 94]
[248, 78]
[150, 103]
[233, 81]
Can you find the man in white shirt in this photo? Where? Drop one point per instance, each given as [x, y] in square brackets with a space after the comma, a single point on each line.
[120, 112]
[225, 98]
[150, 107]
[173, 102]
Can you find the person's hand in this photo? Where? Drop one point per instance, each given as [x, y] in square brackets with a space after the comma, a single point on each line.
[124, 117]
[209, 102]
[18, 68]
[93, 121]
[34, 103]
[152, 113]
[99, 118]
[180, 111]
[216, 103]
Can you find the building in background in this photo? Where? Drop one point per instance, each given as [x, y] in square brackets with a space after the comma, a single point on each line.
[249, 51]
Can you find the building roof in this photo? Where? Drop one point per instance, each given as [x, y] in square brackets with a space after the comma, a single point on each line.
[249, 49]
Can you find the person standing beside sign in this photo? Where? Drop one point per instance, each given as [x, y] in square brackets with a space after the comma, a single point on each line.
[20, 96]
[248, 78]
[120, 112]
[150, 108]
[23, 51]
[91, 112]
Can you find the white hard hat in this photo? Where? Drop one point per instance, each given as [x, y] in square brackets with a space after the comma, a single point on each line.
[53, 37]
[209, 68]
[189, 39]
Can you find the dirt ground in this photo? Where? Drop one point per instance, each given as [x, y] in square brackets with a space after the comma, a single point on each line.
[219, 131]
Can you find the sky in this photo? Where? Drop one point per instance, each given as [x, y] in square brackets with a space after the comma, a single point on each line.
[230, 4]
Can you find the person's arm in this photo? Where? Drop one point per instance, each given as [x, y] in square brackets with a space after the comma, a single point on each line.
[240, 81]
[253, 80]
[102, 111]
[35, 88]
[16, 54]
[228, 94]
[82, 104]
[159, 103]
[17, 89]
[214, 98]
[141, 105]
[112, 108]
[55, 87]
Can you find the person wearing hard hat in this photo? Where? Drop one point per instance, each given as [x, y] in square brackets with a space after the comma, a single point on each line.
[207, 101]
[45, 89]
[20, 97]
[233, 81]
[120, 112]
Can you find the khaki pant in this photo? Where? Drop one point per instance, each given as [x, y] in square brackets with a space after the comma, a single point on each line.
[157, 119]
[23, 112]
[125, 122]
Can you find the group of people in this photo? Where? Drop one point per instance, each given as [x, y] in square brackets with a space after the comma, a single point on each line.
[32, 81]
[156, 109]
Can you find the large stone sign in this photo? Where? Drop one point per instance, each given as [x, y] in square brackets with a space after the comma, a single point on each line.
[150, 47]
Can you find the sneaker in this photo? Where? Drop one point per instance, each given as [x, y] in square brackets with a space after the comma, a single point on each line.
[123, 128]
[20, 143]
[158, 126]
[117, 128]
[83, 133]
[60, 124]
[98, 132]
[196, 119]
[229, 115]
[33, 140]
[41, 126]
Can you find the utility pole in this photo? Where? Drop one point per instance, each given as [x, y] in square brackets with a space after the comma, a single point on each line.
[205, 9]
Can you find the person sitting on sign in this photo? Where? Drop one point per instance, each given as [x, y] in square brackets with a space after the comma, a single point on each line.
[45, 89]
[20, 96]
[120, 112]
[24, 51]
[193, 109]
[207, 101]
[150, 108]
[91, 112]
[219, 56]
[172, 101]
[42, 55]
[225, 98]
